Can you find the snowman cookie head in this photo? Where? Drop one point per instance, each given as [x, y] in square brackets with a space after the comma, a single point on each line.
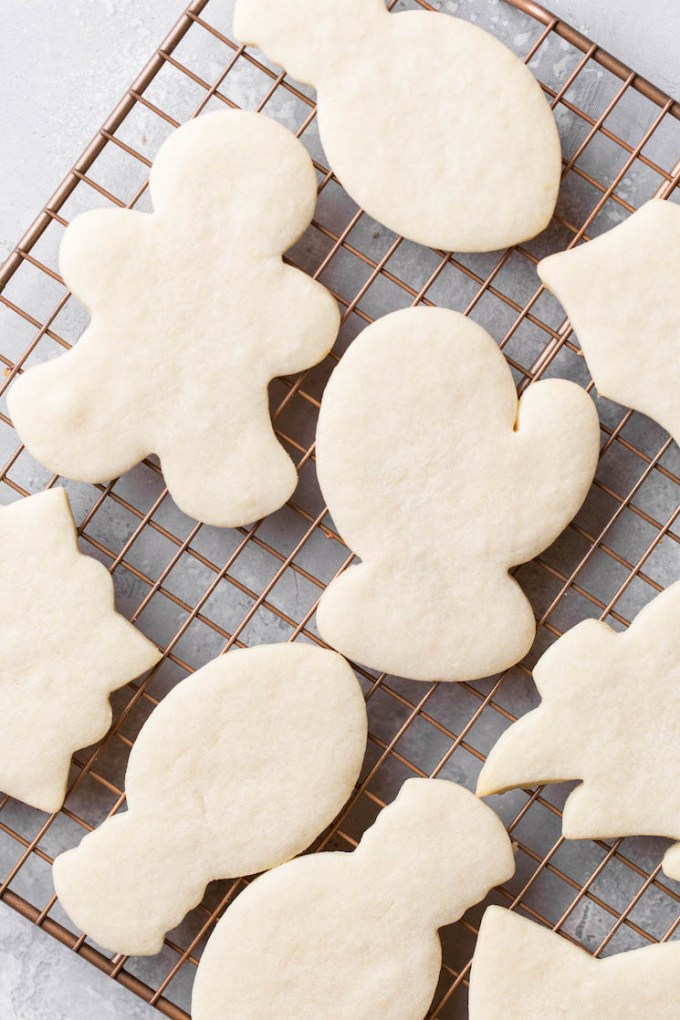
[307, 37]
[434, 831]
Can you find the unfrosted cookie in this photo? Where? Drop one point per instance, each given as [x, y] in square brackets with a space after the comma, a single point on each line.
[64, 649]
[193, 313]
[440, 482]
[354, 935]
[610, 716]
[430, 123]
[620, 292]
[522, 971]
[239, 768]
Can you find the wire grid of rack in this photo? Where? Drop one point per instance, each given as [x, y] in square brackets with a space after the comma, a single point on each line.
[198, 591]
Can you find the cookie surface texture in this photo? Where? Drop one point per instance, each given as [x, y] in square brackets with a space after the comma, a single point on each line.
[64, 649]
[610, 716]
[431, 124]
[620, 293]
[239, 768]
[524, 971]
[440, 482]
[354, 935]
[193, 312]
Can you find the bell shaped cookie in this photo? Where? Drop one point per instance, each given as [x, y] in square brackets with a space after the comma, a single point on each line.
[64, 649]
[610, 716]
[620, 292]
[354, 935]
[239, 768]
[441, 481]
[430, 123]
[193, 313]
[522, 971]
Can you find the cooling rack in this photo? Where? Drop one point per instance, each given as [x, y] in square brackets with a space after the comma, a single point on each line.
[198, 591]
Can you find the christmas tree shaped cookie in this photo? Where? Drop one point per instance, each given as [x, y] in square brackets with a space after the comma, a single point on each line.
[440, 481]
[64, 649]
[522, 971]
[239, 768]
[430, 123]
[193, 313]
[610, 716]
[354, 935]
[620, 292]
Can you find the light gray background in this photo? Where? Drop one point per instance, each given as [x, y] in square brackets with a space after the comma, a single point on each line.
[63, 66]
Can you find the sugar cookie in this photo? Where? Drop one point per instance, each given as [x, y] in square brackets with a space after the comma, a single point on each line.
[522, 971]
[193, 313]
[64, 649]
[440, 482]
[610, 716]
[430, 123]
[620, 292]
[354, 935]
[239, 768]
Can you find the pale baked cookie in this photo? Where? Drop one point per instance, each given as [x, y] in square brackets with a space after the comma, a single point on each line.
[610, 716]
[193, 313]
[440, 482]
[239, 768]
[621, 294]
[354, 935]
[64, 649]
[430, 123]
[522, 971]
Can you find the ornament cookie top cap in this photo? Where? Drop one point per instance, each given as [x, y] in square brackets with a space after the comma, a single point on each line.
[431, 124]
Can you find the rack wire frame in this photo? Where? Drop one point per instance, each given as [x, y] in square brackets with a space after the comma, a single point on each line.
[642, 495]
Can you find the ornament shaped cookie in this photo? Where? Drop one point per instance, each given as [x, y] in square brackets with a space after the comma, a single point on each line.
[523, 971]
[620, 292]
[193, 313]
[238, 769]
[354, 935]
[610, 716]
[64, 649]
[431, 124]
[421, 417]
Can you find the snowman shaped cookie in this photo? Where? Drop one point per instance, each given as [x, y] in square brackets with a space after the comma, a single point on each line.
[440, 481]
[431, 124]
[239, 768]
[193, 313]
[354, 935]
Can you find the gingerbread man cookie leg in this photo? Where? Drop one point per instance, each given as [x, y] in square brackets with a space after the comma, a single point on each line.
[468, 160]
[354, 935]
[609, 716]
[239, 768]
[64, 649]
[422, 412]
[194, 312]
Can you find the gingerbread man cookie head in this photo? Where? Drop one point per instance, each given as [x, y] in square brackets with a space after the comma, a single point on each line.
[194, 312]
[412, 842]
[466, 158]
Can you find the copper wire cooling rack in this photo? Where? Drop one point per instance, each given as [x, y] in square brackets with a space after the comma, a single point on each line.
[197, 590]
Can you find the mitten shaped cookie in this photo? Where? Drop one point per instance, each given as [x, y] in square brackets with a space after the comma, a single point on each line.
[64, 649]
[610, 716]
[430, 123]
[193, 314]
[239, 768]
[620, 292]
[354, 935]
[440, 481]
[522, 971]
